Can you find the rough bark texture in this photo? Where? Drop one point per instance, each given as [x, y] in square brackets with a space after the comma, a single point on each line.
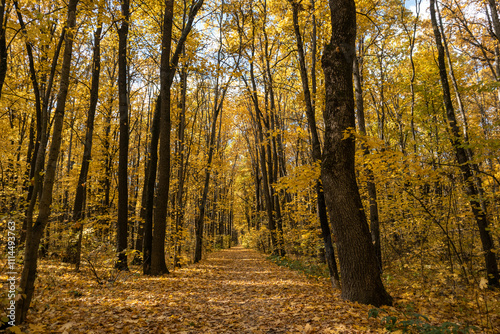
[361, 280]
[463, 159]
[316, 151]
[35, 232]
[122, 222]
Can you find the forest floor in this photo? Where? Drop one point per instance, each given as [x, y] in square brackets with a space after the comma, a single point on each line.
[232, 291]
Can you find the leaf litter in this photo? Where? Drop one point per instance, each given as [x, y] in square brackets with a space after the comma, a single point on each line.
[232, 291]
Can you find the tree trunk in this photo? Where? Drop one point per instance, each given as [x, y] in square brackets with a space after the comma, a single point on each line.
[261, 153]
[199, 222]
[361, 280]
[87, 151]
[316, 150]
[464, 161]
[158, 265]
[149, 190]
[41, 126]
[272, 148]
[179, 214]
[167, 71]
[35, 232]
[122, 221]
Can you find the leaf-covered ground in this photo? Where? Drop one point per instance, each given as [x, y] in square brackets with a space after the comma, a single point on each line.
[232, 291]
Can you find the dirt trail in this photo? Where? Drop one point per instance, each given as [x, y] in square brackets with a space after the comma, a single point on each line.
[233, 291]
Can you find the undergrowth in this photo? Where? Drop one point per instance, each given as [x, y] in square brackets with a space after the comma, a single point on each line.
[409, 321]
[311, 270]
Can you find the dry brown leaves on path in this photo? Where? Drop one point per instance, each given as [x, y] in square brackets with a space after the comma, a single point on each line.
[233, 291]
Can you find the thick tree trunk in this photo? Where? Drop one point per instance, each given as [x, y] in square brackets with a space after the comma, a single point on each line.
[361, 280]
[158, 265]
[122, 221]
[316, 151]
[465, 164]
[35, 232]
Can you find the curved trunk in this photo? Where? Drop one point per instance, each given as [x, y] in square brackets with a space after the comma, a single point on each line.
[316, 148]
[361, 280]
[35, 232]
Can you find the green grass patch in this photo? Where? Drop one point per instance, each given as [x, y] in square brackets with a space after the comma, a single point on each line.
[311, 270]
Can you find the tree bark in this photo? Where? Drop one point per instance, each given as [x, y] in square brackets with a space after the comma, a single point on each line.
[148, 190]
[361, 280]
[316, 148]
[122, 221]
[158, 265]
[179, 214]
[35, 232]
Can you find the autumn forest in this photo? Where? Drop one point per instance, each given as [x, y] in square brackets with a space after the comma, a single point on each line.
[257, 166]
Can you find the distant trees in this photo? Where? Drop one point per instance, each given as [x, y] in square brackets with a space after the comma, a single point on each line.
[35, 231]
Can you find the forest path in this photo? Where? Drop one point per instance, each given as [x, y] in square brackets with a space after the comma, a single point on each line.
[232, 291]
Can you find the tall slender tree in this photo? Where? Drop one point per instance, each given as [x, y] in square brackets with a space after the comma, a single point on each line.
[465, 164]
[123, 106]
[167, 72]
[315, 143]
[81, 187]
[35, 231]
